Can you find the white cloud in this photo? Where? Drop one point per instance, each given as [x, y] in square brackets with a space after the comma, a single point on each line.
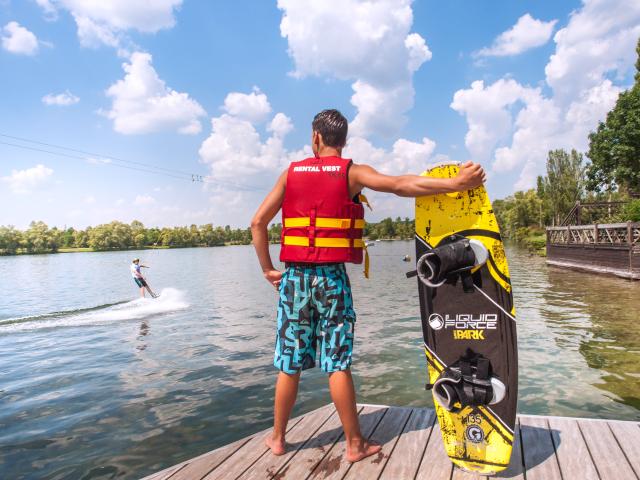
[234, 147]
[488, 114]
[61, 99]
[515, 125]
[418, 51]
[280, 125]
[367, 42]
[599, 39]
[142, 103]
[253, 107]
[141, 200]
[17, 39]
[404, 157]
[24, 181]
[90, 199]
[49, 9]
[380, 110]
[104, 22]
[526, 34]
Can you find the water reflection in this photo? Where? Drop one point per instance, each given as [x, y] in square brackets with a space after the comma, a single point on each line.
[577, 337]
[610, 340]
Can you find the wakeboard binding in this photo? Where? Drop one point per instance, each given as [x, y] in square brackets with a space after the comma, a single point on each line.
[454, 257]
[468, 382]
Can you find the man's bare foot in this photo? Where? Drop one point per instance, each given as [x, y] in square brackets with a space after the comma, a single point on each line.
[277, 446]
[360, 449]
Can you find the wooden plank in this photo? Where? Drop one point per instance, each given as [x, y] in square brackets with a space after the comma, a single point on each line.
[199, 467]
[407, 454]
[539, 455]
[435, 464]
[605, 451]
[333, 466]
[307, 458]
[548, 448]
[166, 473]
[628, 436]
[386, 434]
[297, 437]
[244, 456]
[571, 450]
[515, 470]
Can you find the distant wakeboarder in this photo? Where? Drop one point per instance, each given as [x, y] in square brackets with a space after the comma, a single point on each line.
[139, 279]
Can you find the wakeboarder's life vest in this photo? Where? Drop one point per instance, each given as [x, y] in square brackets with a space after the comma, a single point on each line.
[320, 222]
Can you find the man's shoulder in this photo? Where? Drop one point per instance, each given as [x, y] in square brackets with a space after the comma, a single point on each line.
[360, 167]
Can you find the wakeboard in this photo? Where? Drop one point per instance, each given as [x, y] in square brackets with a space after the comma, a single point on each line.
[468, 324]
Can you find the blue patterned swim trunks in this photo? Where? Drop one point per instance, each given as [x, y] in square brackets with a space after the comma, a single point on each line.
[315, 309]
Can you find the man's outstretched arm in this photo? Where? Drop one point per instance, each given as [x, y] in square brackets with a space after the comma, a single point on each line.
[259, 229]
[471, 175]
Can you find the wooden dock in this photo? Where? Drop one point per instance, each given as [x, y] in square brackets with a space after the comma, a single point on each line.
[545, 448]
[612, 249]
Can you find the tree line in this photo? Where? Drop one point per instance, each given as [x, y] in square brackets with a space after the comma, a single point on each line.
[40, 238]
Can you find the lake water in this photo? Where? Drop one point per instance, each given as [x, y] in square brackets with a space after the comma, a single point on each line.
[96, 384]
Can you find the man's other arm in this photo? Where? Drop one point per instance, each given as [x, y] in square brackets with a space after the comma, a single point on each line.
[259, 224]
[471, 175]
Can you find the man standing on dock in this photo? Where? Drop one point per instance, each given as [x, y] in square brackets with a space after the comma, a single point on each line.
[323, 222]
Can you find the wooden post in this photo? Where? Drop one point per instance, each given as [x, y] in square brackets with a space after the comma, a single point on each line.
[630, 242]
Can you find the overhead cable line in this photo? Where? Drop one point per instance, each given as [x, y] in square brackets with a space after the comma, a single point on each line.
[128, 164]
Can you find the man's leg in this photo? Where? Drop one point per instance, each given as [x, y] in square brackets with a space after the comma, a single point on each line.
[286, 392]
[142, 292]
[344, 398]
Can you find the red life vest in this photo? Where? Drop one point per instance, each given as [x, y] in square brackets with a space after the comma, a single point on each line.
[320, 222]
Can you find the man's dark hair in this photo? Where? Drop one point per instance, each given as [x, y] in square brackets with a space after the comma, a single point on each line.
[333, 127]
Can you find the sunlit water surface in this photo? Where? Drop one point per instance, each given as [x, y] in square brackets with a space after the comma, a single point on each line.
[98, 384]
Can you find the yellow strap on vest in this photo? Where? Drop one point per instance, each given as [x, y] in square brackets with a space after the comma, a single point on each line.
[296, 241]
[341, 223]
[366, 261]
[322, 242]
[297, 222]
[365, 201]
[331, 243]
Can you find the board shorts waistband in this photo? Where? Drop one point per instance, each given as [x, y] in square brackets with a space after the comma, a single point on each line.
[313, 265]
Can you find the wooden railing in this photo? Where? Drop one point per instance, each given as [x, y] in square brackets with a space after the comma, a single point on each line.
[592, 211]
[614, 234]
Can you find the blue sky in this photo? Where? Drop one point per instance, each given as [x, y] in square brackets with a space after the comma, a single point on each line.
[227, 90]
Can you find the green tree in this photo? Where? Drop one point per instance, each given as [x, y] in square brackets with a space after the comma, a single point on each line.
[81, 237]
[614, 148]
[39, 239]
[10, 240]
[138, 234]
[564, 183]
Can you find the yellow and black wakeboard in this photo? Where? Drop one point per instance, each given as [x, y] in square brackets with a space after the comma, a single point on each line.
[479, 318]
